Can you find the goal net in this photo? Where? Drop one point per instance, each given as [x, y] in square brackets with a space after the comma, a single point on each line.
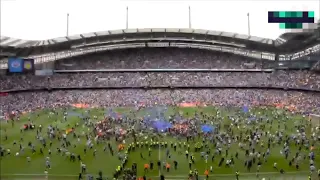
[315, 120]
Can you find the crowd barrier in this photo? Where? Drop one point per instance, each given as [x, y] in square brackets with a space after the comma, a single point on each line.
[49, 89]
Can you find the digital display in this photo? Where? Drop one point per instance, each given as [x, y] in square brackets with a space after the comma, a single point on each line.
[15, 65]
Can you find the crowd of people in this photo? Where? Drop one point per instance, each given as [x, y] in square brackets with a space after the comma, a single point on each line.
[161, 58]
[304, 102]
[285, 79]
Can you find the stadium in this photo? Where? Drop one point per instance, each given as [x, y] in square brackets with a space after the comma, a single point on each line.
[161, 103]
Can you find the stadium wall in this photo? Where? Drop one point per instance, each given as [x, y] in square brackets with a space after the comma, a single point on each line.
[50, 89]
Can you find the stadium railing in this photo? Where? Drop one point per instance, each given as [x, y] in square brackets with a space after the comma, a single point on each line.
[49, 89]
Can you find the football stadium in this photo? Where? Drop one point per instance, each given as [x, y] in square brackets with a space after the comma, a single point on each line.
[161, 104]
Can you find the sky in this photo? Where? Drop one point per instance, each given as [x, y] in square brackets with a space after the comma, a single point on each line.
[46, 19]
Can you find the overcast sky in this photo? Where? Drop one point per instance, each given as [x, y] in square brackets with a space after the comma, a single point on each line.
[45, 19]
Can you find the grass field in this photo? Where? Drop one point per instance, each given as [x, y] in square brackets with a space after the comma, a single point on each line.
[272, 120]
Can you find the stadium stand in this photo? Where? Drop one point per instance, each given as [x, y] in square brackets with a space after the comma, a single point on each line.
[245, 77]
[117, 98]
[283, 79]
[158, 58]
[92, 61]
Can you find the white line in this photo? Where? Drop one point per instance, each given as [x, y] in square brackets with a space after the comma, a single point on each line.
[160, 160]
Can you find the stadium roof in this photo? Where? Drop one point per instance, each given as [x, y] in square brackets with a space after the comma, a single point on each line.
[296, 41]
[19, 43]
[21, 47]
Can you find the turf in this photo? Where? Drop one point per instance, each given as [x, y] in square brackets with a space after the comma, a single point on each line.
[17, 167]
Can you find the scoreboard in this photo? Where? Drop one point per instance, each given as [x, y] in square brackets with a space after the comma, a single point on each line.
[291, 19]
[19, 65]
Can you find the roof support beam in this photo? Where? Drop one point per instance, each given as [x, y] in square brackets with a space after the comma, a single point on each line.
[32, 43]
[12, 42]
[38, 43]
[24, 45]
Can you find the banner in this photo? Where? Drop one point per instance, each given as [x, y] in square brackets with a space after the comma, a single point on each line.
[15, 65]
[4, 94]
[28, 65]
[80, 105]
[193, 104]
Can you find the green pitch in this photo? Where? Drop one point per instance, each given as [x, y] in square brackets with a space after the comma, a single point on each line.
[17, 167]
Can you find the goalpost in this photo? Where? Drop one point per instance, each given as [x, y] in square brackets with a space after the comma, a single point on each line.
[315, 120]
